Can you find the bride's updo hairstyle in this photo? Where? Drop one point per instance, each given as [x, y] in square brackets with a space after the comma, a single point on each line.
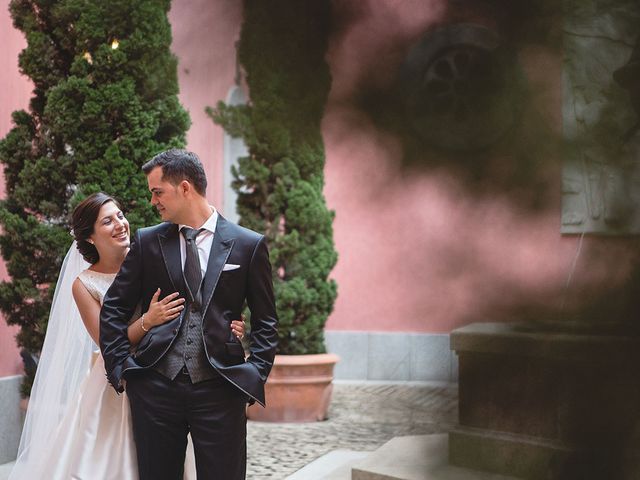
[83, 220]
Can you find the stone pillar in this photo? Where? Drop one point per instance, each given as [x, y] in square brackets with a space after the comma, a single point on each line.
[546, 406]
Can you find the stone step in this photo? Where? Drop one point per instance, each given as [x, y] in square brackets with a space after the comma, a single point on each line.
[5, 469]
[335, 465]
[416, 457]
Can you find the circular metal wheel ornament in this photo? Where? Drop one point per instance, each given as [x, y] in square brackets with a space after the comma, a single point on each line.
[458, 92]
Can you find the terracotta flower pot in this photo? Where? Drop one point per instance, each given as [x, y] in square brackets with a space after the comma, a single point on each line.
[298, 389]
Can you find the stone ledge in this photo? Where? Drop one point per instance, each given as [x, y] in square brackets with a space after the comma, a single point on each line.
[509, 338]
[10, 417]
[335, 465]
[392, 356]
[416, 457]
[500, 452]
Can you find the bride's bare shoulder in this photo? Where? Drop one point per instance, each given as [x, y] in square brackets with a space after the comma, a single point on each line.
[83, 287]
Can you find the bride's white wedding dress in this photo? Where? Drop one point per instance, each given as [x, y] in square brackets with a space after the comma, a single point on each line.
[94, 440]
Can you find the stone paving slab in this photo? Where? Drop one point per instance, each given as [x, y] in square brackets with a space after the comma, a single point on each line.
[362, 417]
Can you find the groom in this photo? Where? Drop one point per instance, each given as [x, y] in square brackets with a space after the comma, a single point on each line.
[190, 374]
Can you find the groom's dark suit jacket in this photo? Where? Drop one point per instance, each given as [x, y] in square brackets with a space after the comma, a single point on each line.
[154, 262]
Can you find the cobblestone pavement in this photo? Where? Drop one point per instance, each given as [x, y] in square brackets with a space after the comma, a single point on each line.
[363, 416]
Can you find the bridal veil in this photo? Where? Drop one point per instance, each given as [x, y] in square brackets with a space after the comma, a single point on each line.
[64, 363]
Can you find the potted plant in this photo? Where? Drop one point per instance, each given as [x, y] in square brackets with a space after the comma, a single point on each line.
[279, 186]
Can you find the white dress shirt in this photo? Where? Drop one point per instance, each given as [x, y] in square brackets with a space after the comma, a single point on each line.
[203, 241]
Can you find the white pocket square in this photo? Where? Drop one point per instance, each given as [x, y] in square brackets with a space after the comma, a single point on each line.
[230, 266]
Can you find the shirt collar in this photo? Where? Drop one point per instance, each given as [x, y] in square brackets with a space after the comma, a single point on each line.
[209, 225]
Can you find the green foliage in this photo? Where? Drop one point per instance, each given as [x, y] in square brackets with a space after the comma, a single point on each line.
[104, 102]
[279, 185]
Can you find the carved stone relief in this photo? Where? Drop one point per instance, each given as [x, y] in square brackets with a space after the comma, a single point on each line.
[601, 172]
[458, 89]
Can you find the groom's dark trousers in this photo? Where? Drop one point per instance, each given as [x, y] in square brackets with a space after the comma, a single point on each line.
[163, 411]
[190, 374]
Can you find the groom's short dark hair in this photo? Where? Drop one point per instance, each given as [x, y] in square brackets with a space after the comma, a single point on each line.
[178, 165]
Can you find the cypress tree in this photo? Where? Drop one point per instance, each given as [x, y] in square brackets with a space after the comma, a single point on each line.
[104, 101]
[282, 48]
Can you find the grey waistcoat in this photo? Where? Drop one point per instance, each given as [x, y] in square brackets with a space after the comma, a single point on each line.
[188, 347]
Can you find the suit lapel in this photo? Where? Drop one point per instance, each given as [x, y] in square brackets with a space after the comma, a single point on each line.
[170, 248]
[220, 250]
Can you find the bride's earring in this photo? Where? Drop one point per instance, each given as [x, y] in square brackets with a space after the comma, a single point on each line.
[90, 241]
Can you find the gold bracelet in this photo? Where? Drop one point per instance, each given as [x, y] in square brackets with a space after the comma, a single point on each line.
[142, 324]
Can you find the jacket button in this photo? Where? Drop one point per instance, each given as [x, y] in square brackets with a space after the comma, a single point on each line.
[189, 342]
[175, 331]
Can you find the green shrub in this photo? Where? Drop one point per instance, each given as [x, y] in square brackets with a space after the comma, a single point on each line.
[279, 185]
[104, 102]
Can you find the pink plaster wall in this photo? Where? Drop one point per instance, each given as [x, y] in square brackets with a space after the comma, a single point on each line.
[15, 93]
[418, 251]
[204, 36]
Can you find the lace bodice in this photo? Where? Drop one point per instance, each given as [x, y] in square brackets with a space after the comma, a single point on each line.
[97, 283]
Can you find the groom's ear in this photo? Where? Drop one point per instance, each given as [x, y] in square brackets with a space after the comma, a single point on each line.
[185, 187]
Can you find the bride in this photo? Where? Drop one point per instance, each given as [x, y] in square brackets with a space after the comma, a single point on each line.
[77, 426]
